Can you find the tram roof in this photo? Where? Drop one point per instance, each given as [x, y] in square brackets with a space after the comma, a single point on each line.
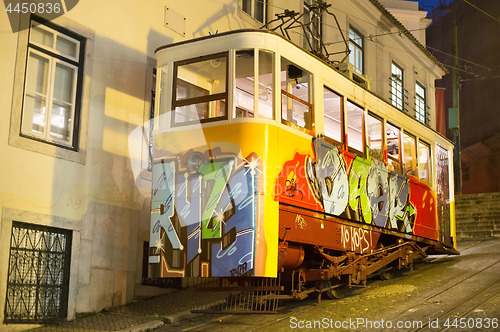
[271, 33]
[376, 3]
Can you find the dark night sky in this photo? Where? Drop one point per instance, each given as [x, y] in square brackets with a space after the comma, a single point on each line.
[429, 4]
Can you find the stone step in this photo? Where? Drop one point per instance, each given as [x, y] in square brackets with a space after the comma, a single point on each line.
[470, 220]
[468, 197]
[495, 205]
[475, 222]
[478, 234]
[476, 200]
[478, 221]
[477, 215]
[477, 227]
[492, 194]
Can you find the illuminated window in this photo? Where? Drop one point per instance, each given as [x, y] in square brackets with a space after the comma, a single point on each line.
[356, 50]
[397, 86]
[355, 127]
[409, 154]
[244, 83]
[333, 115]
[296, 108]
[53, 85]
[420, 104]
[255, 8]
[200, 89]
[375, 137]
[393, 139]
[424, 161]
[265, 84]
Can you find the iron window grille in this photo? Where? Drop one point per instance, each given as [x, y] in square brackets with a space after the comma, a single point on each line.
[397, 86]
[38, 274]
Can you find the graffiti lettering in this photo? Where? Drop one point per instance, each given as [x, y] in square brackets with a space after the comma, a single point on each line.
[338, 181]
[356, 239]
[358, 194]
[328, 178]
[240, 270]
[300, 222]
[378, 193]
[208, 215]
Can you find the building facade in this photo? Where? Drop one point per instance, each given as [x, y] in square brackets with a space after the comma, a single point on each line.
[478, 72]
[76, 103]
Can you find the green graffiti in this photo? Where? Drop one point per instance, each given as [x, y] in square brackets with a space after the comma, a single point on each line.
[408, 212]
[358, 191]
[217, 174]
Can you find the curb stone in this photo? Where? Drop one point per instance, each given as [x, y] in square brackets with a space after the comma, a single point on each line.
[177, 317]
[144, 327]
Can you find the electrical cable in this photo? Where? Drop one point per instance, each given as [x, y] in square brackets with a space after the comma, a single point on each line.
[482, 11]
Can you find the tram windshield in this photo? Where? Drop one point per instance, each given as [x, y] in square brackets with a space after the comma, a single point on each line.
[200, 89]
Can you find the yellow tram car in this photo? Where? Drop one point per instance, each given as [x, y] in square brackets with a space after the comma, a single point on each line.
[267, 159]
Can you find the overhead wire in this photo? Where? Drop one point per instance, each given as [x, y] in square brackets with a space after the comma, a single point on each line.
[482, 11]
[370, 37]
[461, 59]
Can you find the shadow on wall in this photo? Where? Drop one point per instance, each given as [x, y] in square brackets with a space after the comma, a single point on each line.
[114, 228]
[228, 12]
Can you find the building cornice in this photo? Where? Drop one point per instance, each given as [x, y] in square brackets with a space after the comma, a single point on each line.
[407, 33]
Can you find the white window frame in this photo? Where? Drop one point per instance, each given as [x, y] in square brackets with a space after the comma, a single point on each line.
[355, 49]
[397, 86]
[21, 141]
[421, 103]
[53, 58]
[252, 11]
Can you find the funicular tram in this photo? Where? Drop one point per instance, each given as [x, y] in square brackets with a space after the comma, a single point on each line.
[269, 163]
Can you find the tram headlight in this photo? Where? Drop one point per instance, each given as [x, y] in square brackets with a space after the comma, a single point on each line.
[194, 161]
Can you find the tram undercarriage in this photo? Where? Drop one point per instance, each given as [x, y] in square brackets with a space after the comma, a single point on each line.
[307, 269]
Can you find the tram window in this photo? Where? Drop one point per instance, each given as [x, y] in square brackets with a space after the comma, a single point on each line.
[355, 132]
[375, 137]
[333, 115]
[424, 158]
[200, 89]
[244, 83]
[266, 84]
[393, 147]
[409, 154]
[296, 109]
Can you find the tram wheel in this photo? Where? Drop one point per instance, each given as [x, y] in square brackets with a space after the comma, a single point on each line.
[334, 293]
[387, 274]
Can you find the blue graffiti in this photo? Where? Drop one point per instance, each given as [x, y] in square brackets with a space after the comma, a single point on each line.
[208, 215]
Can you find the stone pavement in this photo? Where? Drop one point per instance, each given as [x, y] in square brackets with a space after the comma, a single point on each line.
[477, 266]
[141, 315]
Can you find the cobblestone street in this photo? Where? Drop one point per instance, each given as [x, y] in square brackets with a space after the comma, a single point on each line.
[462, 292]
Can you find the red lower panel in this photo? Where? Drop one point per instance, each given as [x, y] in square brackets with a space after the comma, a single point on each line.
[328, 232]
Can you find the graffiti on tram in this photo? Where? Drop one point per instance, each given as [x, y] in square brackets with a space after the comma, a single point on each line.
[203, 215]
[342, 184]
